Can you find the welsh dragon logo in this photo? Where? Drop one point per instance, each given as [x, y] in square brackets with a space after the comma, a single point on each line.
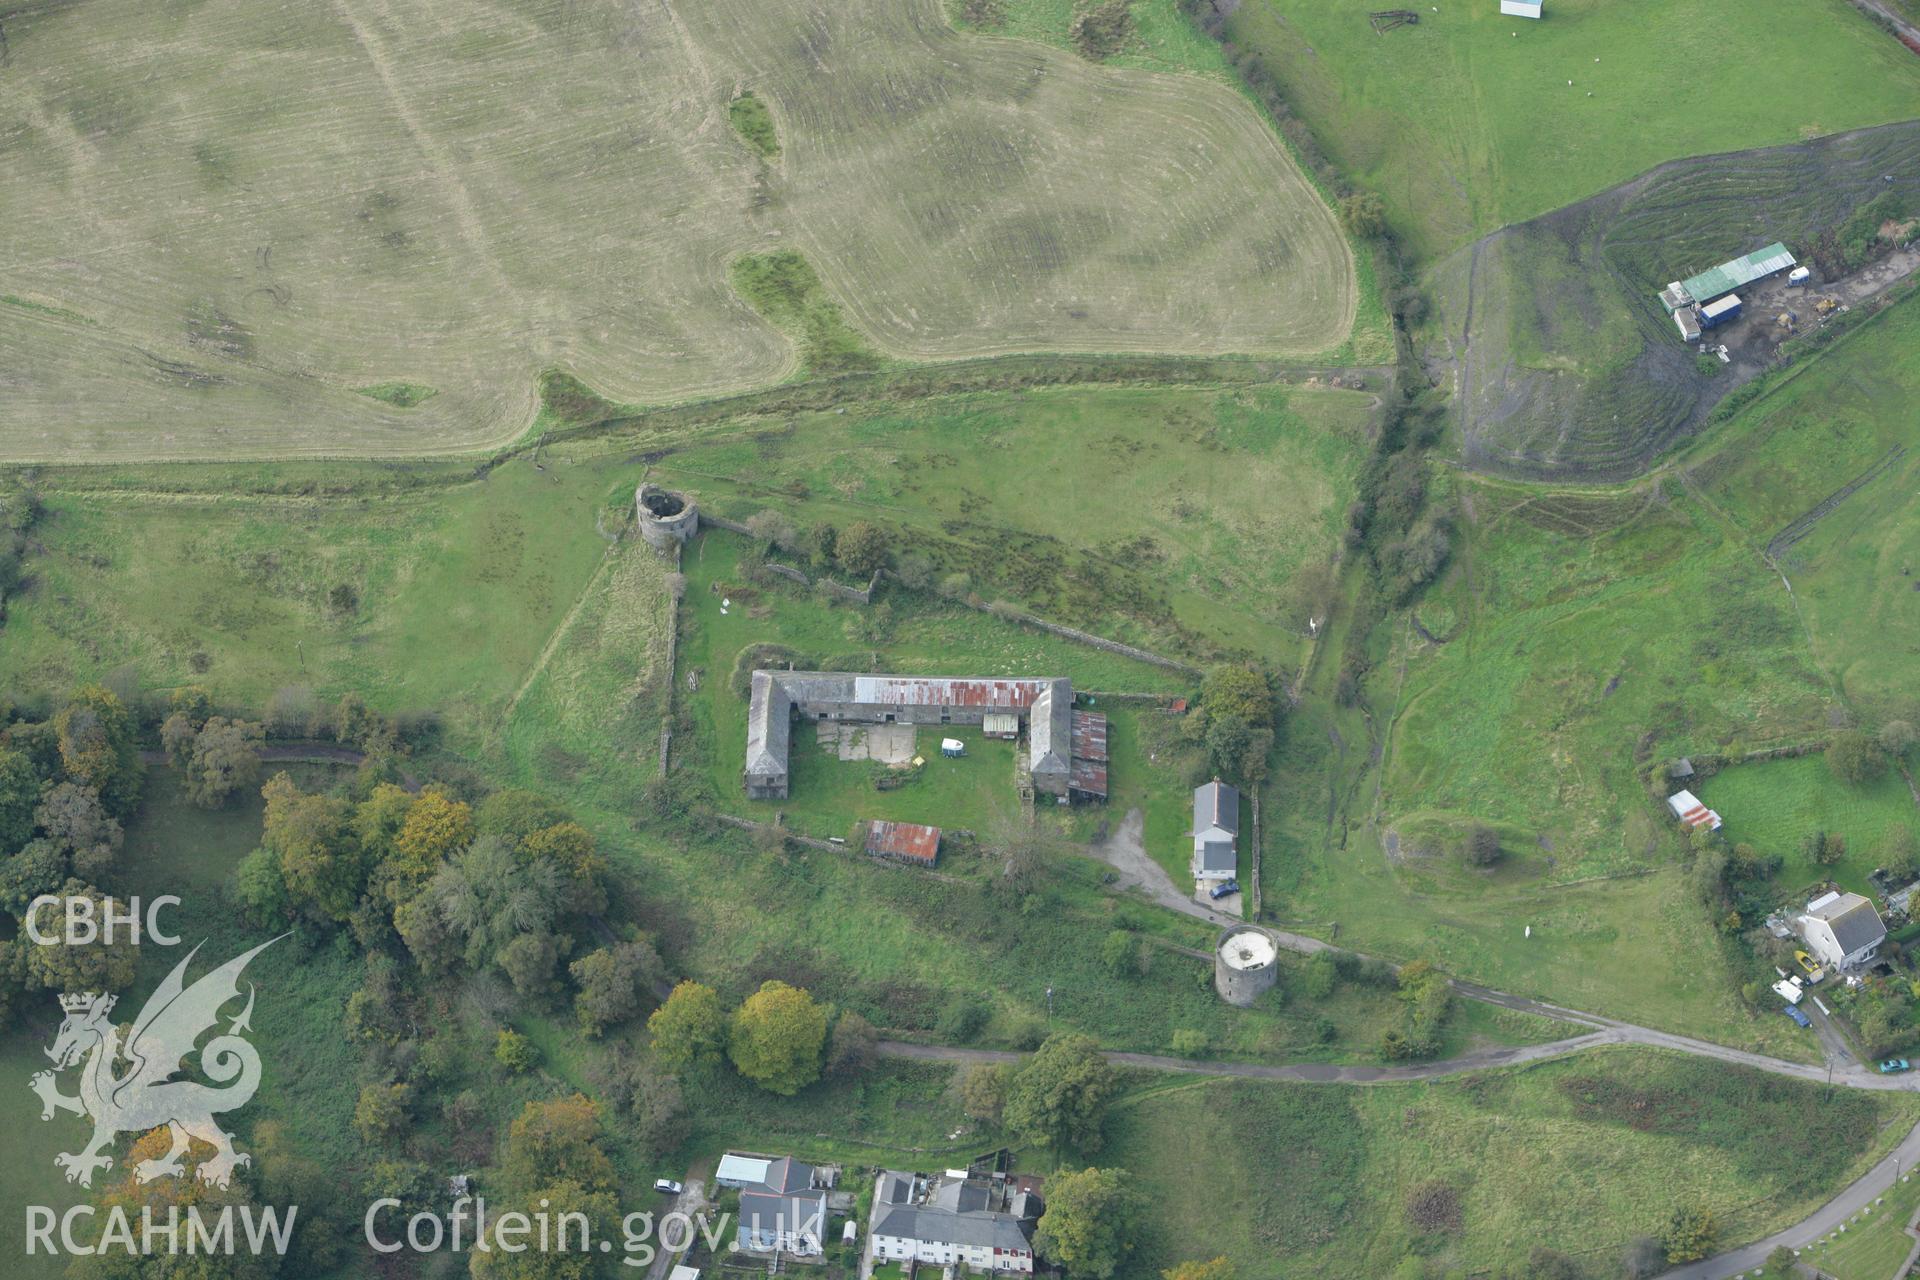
[146, 1096]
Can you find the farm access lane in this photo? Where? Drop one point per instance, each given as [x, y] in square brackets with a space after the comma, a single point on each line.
[1125, 851]
[1748, 1259]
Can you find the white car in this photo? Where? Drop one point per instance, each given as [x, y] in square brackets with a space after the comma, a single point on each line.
[667, 1185]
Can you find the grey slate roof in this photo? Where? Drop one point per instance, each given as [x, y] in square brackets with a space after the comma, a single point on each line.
[1216, 804]
[957, 1213]
[1050, 729]
[769, 718]
[767, 1214]
[1217, 855]
[783, 1204]
[1854, 922]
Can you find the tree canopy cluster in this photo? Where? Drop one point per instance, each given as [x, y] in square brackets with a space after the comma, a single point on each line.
[67, 783]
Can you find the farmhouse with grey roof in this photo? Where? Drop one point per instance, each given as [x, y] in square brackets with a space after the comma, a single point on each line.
[1216, 831]
[985, 1223]
[783, 1203]
[1044, 706]
[1842, 930]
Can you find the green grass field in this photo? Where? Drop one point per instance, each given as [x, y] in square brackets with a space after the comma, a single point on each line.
[1772, 804]
[1579, 1155]
[433, 238]
[1808, 439]
[1175, 516]
[1467, 121]
[1576, 651]
[455, 590]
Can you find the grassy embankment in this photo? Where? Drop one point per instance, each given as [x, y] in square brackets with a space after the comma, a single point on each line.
[1580, 1155]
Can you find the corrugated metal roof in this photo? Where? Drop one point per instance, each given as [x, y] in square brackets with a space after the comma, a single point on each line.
[934, 691]
[1720, 306]
[1730, 275]
[1089, 735]
[1088, 777]
[907, 840]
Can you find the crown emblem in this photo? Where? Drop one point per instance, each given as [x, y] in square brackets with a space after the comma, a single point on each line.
[81, 1001]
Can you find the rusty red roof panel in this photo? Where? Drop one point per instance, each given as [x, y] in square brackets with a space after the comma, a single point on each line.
[1089, 735]
[1089, 777]
[907, 840]
[908, 691]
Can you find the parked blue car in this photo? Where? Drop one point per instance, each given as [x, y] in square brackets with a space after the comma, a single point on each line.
[1799, 1017]
[1226, 887]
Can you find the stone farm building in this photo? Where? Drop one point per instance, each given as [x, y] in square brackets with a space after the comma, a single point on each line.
[1060, 742]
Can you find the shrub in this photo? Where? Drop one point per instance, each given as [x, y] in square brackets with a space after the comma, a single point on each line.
[1321, 973]
[1855, 759]
[514, 1051]
[1189, 1043]
[1483, 846]
[1364, 215]
[1434, 1206]
[1690, 1235]
[1103, 30]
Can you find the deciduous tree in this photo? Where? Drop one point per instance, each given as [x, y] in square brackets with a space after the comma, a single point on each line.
[1060, 1095]
[614, 984]
[1234, 721]
[73, 817]
[775, 1038]
[97, 746]
[1691, 1234]
[1091, 1221]
[983, 1090]
[380, 1117]
[1221, 1268]
[689, 1030]
[225, 758]
[96, 966]
[851, 1045]
[19, 796]
[320, 860]
[1854, 758]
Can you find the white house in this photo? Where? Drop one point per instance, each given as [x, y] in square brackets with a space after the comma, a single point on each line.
[1842, 930]
[783, 1204]
[983, 1223]
[1216, 831]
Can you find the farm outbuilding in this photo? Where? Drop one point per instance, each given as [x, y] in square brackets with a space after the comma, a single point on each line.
[1720, 310]
[1520, 8]
[1044, 705]
[904, 842]
[1687, 807]
[1735, 273]
[1087, 779]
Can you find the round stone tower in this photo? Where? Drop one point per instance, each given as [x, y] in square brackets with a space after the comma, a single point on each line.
[1244, 964]
[665, 517]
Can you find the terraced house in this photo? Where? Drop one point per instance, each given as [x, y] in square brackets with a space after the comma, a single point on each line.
[981, 1223]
